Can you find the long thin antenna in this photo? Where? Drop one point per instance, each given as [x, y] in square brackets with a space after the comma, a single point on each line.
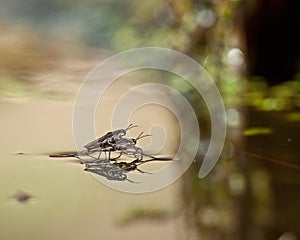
[140, 136]
[130, 126]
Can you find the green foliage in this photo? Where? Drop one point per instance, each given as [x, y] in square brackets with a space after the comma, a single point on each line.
[257, 131]
[283, 97]
[293, 116]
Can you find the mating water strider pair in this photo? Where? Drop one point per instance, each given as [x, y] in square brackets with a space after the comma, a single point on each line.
[116, 142]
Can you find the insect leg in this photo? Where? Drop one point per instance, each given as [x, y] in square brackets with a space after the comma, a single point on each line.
[114, 159]
[131, 181]
[141, 171]
[138, 153]
[99, 154]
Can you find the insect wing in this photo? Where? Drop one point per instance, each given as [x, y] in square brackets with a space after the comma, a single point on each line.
[97, 142]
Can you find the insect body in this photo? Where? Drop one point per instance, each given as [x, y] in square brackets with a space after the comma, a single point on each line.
[105, 143]
[107, 139]
[122, 145]
[128, 146]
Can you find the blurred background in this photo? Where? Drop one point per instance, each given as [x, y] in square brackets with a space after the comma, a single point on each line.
[251, 50]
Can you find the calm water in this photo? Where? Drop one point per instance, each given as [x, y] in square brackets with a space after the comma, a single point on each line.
[67, 202]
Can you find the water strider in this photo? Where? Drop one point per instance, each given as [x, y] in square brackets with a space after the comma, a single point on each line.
[107, 140]
[105, 143]
[108, 167]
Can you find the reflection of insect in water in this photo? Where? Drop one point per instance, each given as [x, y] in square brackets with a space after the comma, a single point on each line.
[108, 170]
[132, 166]
[117, 171]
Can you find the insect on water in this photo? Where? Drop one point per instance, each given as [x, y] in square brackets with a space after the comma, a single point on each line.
[105, 142]
[128, 147]
[125, 146]
[114, 141]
